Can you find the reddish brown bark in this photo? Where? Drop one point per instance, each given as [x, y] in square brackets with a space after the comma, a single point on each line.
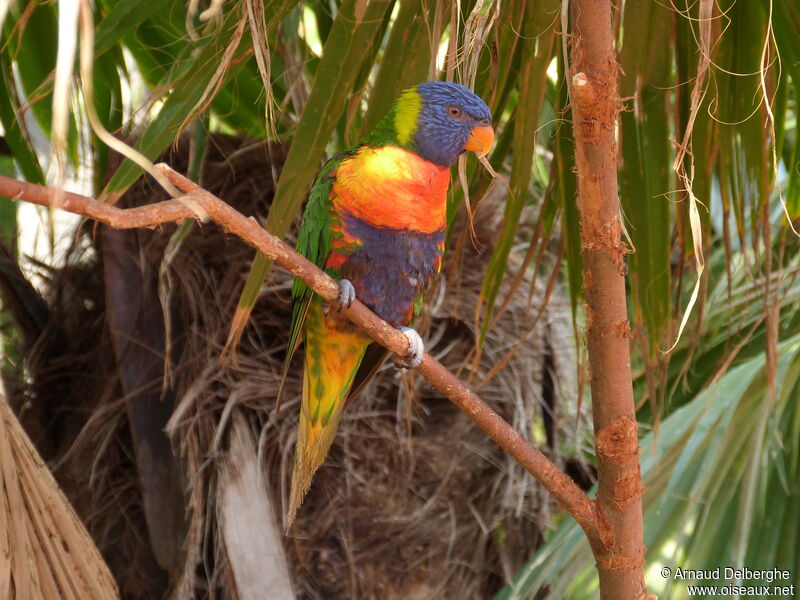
[593, 94]
[199, 202]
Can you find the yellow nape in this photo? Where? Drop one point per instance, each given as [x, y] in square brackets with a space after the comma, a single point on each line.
[376, 165]
[405, 117]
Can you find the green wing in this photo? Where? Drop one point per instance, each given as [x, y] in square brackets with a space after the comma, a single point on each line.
[313, 242]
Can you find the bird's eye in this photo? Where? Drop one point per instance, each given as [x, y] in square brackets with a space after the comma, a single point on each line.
[454, 111]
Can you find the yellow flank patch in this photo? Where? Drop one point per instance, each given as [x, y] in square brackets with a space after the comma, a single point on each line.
[406, 114]
[332, 358]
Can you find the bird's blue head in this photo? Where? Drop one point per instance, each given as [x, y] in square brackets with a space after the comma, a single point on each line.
[440, 120]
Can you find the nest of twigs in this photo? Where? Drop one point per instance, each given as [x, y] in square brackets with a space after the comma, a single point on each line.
[414, 501]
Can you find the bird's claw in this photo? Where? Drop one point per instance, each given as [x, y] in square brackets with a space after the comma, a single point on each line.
[347, 293]
[416, 350]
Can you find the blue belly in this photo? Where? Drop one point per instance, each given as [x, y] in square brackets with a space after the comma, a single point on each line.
[392, 268]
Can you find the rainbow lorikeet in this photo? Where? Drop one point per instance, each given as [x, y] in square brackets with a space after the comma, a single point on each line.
[375, 221]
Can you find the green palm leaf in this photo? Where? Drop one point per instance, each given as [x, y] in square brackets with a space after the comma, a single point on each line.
[356, 31]
[702, 471]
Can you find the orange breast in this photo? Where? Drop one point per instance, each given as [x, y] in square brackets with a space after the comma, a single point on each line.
[391, 187]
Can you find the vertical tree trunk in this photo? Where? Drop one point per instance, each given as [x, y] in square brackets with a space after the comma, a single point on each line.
[593, 94]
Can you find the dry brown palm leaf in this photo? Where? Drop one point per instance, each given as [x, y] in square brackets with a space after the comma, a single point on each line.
[249, 530]
[45, 552]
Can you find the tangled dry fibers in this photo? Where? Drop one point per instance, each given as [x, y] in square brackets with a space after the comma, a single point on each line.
[413, 501]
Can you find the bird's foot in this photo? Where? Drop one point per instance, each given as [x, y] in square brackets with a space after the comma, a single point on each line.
[347, 293]
[416, 350]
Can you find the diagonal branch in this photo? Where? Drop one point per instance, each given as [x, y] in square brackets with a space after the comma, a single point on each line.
[199, 201]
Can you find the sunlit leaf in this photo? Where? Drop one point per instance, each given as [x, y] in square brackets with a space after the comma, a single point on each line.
[187, 92]
[695, 471]
[121, 18]
[538, 45]
[644, 174]
[17, 140]
[353, 36]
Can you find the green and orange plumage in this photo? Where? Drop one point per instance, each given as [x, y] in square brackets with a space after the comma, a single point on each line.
[376, 218]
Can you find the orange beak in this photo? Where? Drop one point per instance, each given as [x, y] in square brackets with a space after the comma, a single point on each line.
[480, 140]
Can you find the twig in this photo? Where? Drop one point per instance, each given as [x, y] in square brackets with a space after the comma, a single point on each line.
[568, 494]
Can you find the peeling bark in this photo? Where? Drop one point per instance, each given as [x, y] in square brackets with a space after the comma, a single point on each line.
[595, 106]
